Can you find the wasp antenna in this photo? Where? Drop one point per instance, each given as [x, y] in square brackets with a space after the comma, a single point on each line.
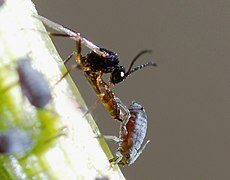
[136, 57]
[140, 67]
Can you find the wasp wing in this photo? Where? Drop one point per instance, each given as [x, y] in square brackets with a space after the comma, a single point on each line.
[72, 34]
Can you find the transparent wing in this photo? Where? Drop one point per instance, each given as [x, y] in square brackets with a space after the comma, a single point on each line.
[72, 34]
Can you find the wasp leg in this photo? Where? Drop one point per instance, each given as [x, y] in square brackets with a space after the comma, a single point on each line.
[75, 66]
[91, 108]
[78, 54]
[78, 61]
[69, 57]
[57, 34]
[127, 115]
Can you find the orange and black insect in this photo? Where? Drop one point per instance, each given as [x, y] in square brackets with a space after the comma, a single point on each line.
[99, 59]
[96, 63]
[112, 103]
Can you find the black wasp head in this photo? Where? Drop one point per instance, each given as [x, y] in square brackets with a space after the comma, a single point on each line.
[117, 75]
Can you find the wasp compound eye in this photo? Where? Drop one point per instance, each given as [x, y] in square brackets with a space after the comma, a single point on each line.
[117, 75]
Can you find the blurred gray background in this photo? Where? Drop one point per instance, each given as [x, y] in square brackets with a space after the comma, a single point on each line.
[186, 96]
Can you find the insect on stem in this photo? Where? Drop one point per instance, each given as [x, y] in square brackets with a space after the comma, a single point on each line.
[96, 63]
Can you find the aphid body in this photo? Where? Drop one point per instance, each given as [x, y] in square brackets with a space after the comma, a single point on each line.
[130, 143]
[33, 84]
[15, 141]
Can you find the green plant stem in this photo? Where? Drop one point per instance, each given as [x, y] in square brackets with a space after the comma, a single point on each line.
[65, 143]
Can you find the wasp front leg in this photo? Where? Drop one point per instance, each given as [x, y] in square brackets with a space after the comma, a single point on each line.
[125, 116]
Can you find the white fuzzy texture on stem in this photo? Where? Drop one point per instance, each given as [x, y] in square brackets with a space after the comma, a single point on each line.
[79, 155]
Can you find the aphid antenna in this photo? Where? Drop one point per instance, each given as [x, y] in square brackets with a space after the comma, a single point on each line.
[71, 34]
[130, 70]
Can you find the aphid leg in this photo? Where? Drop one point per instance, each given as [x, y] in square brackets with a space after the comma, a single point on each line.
[9, 87]
[141, 150]
[118, 157]
[112, 138]
[127, 115]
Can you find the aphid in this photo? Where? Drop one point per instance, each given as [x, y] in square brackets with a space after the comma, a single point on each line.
[2, 2]
[130, 144]
[15, 141]
[99, 59]
[33, 84]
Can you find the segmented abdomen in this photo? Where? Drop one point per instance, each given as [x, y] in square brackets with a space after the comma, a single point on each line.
[136, 127]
